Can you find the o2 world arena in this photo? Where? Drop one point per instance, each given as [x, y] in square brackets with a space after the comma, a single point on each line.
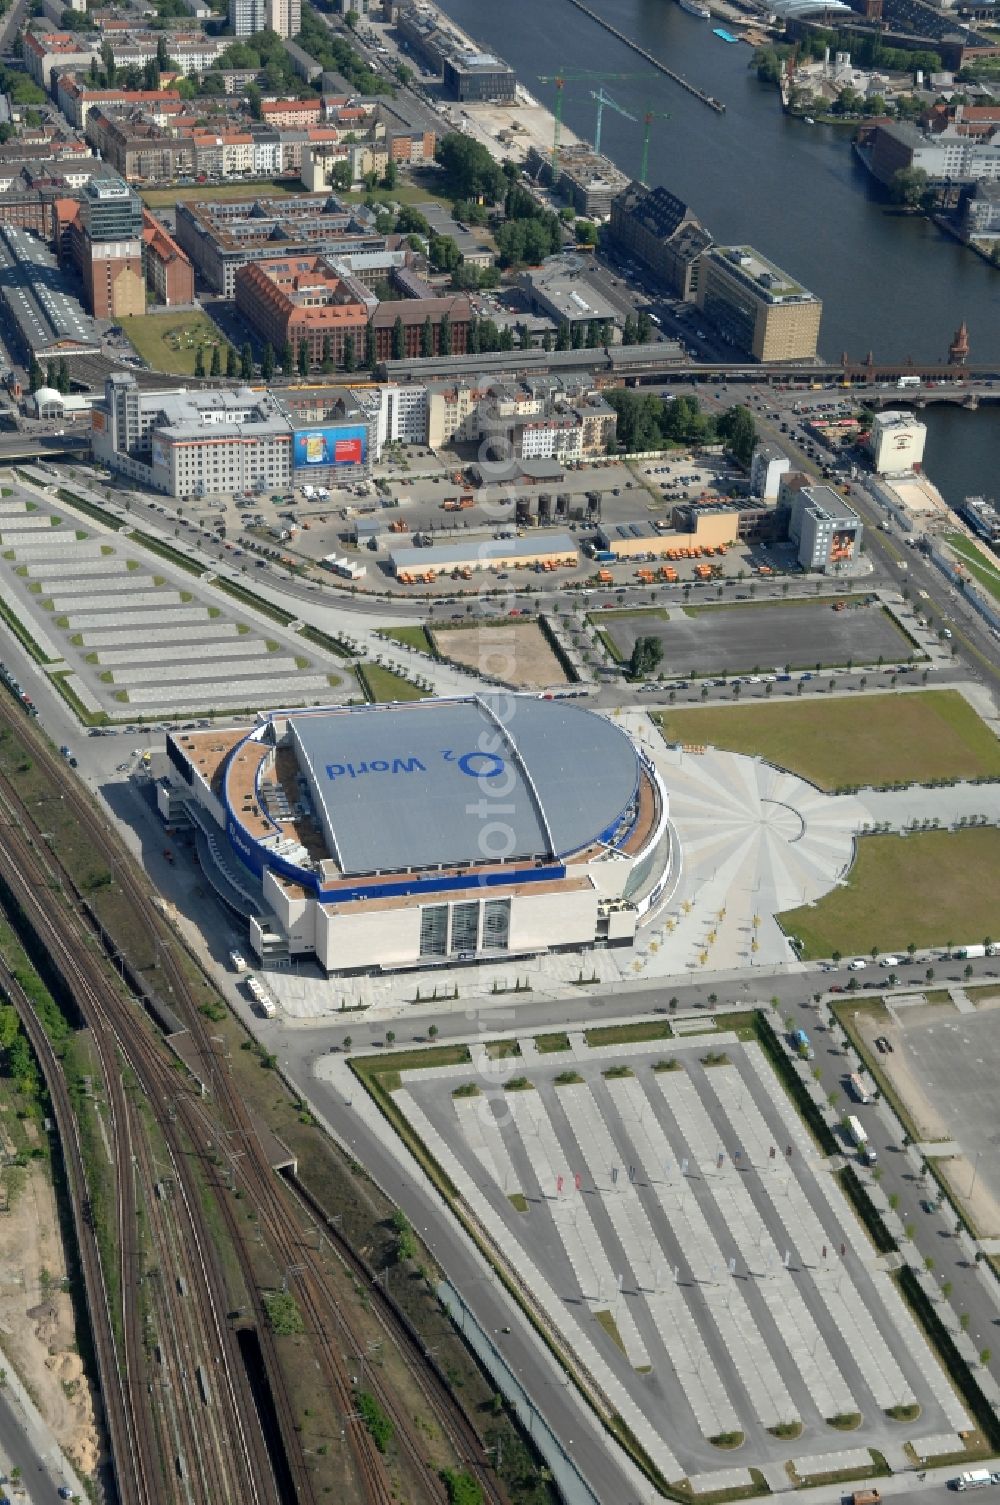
[429, 832]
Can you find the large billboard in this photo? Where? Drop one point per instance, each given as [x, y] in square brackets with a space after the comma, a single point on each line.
[330, 445]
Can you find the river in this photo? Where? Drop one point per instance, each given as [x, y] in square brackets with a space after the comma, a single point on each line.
[894, 285]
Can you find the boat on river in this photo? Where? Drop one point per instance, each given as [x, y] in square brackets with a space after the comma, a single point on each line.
[723, 34]
[695, 8]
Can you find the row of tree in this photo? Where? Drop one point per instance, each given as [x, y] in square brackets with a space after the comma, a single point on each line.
[241, 365]
[646, 421]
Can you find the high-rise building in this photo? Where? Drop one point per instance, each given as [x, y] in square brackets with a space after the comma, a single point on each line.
[248, 16]
[110, 210]
[108, 248]
[284, 16]
[756, 306]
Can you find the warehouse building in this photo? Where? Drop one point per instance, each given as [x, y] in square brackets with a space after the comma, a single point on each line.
[485, 554]
[47, 317]
[430, 833]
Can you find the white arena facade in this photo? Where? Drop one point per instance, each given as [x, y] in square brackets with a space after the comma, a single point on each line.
[430, 833]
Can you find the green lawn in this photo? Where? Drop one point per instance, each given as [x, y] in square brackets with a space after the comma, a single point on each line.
[411, 637]
[162, 198]
[930, 889]
[170, 342]
[977, 564]
[616, 614]
[384, 685]
[880, 739]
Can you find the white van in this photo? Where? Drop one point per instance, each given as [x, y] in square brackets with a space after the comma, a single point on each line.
[891, 961]
[857, 965]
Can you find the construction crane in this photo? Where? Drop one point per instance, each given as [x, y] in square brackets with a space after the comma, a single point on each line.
[602, 100]
[561, 79]
[647, 124]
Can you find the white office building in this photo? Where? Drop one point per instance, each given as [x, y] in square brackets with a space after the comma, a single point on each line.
[767, 467]
[186, 443]
[897, 442]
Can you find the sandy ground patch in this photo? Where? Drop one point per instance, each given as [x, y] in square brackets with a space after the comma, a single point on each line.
[37, 1331]
[516, 652]
[967, 1189]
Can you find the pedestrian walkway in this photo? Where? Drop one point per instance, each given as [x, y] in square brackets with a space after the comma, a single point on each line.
[806, 1345]
[846, 1461]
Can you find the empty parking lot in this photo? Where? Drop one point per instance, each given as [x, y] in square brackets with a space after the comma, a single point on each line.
[675, 1224]
[743, 638]
[138, 635]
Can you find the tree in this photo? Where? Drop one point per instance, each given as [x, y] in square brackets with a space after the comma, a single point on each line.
[737, 430]
[585, 232]
[469, 168]
[50, 374]
[398, 339]
[342, 177]
[444, 254]
[630, 333]
[350, 359]
[432, 1031]
[908, 186]
[326, 364]
[287, 358]
[643, 329]
[427, 338]
[232, 362]
[410, 221]
[246, 361]
[371, 349]
[390, 1036]
[391, 175]
[646, 655]
[215, 369]
[303, 358]
[563, 335]
[199, 362]
[267, 363]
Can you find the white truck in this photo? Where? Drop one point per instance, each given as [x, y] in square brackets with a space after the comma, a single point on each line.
[859, 1135]
[261, 996]
[976, 1478]
[969, 953]
[862, 1092]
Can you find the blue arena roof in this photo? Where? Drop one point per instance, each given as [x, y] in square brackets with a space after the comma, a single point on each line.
[486, 779]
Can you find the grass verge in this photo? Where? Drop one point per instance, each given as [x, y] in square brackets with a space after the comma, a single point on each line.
[381, 684]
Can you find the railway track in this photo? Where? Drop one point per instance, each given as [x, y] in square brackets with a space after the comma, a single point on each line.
[280, 1217]
[153, 1473]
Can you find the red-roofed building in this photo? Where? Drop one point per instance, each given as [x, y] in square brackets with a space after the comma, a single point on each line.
[301, 299]
[168, 271]
[291, 112]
